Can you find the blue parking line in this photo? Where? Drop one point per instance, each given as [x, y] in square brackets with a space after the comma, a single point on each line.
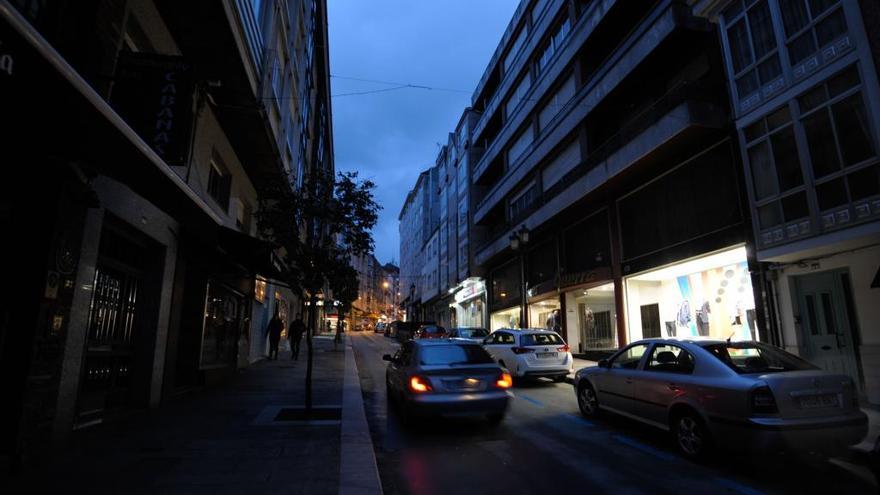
[646, 448]
[580, 420]
[529, 399]
[737, 486]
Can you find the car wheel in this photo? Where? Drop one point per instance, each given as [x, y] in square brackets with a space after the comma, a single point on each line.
[691, 436]
[588, 402]
[495, 419]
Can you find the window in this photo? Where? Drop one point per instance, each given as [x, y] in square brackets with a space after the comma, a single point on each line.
[503, 338]
[521, 203]
[518, 95]
[752, 47]
[454, 354]
[556, 102]
[219, 184]
[542, 339]
[753, 357]
[810, 25]
[670, 359]
[630, 357]
[554, 43]
[565, 161]
[520, 144]
[515, 47]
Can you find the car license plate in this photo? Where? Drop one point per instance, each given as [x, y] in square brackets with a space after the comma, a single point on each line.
[547, 355]
[818, 401]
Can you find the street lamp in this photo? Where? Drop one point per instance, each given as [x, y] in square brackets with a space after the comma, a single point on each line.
[518, 240]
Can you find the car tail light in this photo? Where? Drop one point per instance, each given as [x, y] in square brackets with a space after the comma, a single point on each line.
[763, 401]
[521, 350]
[564, 348]
[504, 380]
[419, 384]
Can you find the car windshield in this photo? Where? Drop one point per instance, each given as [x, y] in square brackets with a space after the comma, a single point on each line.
[471, 333]
[541, 339]
[453, 354]
[751, 357]
[433, 329]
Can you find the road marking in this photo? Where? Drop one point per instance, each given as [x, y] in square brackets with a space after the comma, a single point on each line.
[529, 399]
[646, 448]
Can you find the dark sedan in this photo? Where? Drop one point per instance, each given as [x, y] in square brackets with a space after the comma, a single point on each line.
[445, 377]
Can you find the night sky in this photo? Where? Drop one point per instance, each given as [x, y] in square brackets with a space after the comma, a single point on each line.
[391, 136]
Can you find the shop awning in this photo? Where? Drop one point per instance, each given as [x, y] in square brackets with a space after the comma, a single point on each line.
[254, 254]
[57, 113]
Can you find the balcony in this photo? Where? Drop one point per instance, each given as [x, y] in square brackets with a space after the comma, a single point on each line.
[669, 121]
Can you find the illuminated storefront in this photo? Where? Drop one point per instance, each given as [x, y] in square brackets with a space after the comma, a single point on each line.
[709, 297]
[470, 304]
[591, 318]
[546, 314]
[508, 318]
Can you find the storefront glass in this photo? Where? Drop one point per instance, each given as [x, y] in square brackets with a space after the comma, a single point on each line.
[545, 314]
[591, 318]
[508, 318]
[223, 312]
[470, 313]
[708, 297]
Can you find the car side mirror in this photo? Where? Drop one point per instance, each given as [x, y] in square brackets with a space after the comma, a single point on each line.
[387, 357]
[603, 363]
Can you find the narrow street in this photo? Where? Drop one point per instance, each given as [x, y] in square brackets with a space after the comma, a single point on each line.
[545, 446]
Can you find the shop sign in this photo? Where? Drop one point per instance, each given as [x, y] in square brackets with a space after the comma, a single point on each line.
[470, 291]
[154, 94]
[579, 278]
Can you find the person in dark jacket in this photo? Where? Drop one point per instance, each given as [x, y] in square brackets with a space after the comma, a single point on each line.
[295, 335]
[274, 330]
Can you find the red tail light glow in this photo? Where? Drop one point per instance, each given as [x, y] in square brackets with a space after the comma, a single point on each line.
[419, 385]
[564, 348]
[521, 350]
[504, 381]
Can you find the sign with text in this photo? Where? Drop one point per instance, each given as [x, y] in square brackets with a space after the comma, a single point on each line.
[154, 94]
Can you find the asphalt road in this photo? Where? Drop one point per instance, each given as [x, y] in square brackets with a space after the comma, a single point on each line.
[545, 446]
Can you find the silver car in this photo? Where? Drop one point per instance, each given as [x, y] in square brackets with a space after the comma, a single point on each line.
[735, 395]
[445, 377]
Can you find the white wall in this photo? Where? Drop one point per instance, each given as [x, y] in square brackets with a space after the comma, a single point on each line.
[862, 265]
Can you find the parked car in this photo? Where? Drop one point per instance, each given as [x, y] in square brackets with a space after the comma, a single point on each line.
[467, 334]
[380, 327]
[430, 332]
[404, 330]
[734, 395]
[444, 377]
[530, 353]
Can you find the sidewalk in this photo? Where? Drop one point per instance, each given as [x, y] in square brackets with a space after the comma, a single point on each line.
[228, 439]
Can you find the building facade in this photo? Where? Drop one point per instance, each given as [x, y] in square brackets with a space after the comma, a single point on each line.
[147, 277]
[607, 178]
[806, 104]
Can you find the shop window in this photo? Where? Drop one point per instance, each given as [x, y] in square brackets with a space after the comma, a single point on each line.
[810, 25]
[710, 296]
[594, 317]
[752, 46]
[546, 314]
[670, 359]
[508, 318]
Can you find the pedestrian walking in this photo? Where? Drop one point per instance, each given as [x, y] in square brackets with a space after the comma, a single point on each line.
[274, 330]
[295, 335]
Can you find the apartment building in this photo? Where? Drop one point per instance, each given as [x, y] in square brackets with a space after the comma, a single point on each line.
[804, 92]
[607, 177]
[148, 139]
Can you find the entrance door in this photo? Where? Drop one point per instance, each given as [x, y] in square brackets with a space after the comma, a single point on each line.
[824, 324]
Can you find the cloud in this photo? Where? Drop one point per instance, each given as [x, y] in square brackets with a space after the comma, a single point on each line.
[390, 137]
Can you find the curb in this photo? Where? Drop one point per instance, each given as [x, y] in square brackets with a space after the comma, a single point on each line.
[358, 472]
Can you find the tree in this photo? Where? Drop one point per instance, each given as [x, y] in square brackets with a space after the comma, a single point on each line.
[343, 282]
[313, 228]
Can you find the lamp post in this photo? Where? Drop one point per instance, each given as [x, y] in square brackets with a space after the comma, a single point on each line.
[518, 240]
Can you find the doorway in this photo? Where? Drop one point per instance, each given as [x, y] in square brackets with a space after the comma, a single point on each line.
[826, 327]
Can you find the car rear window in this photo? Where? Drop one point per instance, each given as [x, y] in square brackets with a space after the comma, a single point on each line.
[453, 354]
[433, 330]
[541, 339]
[751, 357]
[470, 333]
